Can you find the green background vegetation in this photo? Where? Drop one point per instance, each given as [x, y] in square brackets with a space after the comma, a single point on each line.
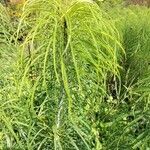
[75, 76]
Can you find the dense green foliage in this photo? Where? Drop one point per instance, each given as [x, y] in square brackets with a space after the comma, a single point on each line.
[73, 76]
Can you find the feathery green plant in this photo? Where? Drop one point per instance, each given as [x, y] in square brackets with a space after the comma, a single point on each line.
[67, 53]
[72, 77]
